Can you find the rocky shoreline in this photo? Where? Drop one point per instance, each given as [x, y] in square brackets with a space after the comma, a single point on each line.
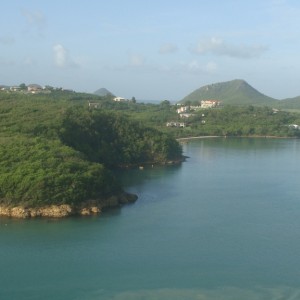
[87, 208]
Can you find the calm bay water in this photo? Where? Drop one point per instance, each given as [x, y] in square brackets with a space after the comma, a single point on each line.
[223, 225]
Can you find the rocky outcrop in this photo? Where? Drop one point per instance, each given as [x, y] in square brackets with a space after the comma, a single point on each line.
[86, 208]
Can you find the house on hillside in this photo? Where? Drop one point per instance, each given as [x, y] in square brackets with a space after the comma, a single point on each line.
[176, 124]
[294, 126]
[119, 99]
[34, 88]
[15, 88]
[210, 103]
[186, 115]
[182, 109]
[4, 88]
[195, 107]
[94, 105]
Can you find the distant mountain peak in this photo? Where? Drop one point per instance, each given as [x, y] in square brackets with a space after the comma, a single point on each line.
[234, 92]
[103, 92]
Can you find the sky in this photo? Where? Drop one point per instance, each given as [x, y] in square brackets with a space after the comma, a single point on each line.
[151, 50]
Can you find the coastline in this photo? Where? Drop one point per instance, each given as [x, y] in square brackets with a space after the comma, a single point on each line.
[226, 136]
[86, 208]
[199, 137]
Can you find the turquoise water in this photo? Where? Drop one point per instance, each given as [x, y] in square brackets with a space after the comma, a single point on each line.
[223, 225]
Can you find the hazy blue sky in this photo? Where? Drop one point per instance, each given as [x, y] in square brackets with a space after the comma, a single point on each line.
[156, 49]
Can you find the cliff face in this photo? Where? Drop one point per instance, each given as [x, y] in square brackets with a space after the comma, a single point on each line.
[87, 208]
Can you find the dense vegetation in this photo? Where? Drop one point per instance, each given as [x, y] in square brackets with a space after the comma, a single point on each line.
[115, 140]
[228, 120]
[243, 121]
[37, 172]
[55, 150]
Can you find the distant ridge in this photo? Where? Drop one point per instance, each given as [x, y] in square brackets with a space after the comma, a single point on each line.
[103, 92]
[234, 92]
[4, 86]
[290, 103]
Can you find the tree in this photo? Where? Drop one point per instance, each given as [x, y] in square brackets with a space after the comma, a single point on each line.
[49, 87]
[23, 86]
[165, 104]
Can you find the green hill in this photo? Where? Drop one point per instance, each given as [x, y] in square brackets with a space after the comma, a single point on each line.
[103, 92]
[55, 150]
[290, 103]
[235, 92]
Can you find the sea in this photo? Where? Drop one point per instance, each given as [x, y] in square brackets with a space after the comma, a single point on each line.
[223, 225]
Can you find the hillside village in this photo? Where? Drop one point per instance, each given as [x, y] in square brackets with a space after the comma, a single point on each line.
[187, 111]
[216, 109]
[38, 89]
[200, 109]
[31, 89]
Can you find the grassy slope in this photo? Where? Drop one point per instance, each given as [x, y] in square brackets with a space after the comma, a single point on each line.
[239, 92]
[290, 103]
[235, 92]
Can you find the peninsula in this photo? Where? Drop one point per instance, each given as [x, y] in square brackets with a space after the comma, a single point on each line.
[58, 155]
[59, 149]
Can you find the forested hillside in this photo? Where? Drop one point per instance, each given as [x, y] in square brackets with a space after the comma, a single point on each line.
[62, 147]
[54, 149]
[227, 120]
[115, 140]
[241, 121]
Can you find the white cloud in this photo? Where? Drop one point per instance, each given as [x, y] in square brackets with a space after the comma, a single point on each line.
[168, 48]
[62, 58]
[60, 55]
[217, 46]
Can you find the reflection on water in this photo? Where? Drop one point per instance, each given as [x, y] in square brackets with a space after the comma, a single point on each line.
[138, 176]
[224, 225]
[208, 148]
[225, 293]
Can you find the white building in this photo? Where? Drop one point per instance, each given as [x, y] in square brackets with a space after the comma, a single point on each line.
[195, 107]
[294, 126]
[186, 115]
[94, 105]
[176, 124]
[182, 109]
[34, 88]
[15, 88]
[210, 103]
[119, 99]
